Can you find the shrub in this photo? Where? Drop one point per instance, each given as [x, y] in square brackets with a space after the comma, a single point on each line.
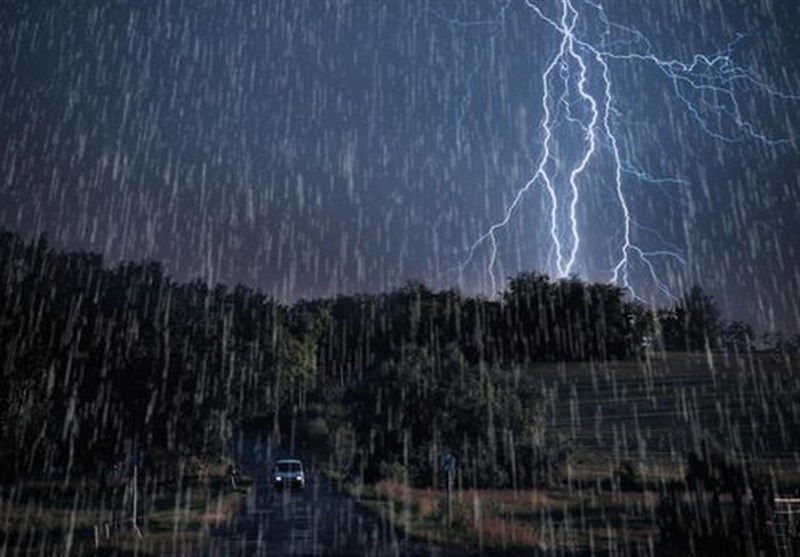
[629, 476]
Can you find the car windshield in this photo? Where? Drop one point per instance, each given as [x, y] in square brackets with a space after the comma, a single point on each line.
[288, 467]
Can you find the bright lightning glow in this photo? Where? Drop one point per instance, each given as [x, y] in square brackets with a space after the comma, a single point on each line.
[577, 90]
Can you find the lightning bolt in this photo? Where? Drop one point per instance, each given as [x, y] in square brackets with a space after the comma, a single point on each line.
[577, 90]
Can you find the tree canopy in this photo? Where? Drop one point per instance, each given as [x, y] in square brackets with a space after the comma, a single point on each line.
[97, 360]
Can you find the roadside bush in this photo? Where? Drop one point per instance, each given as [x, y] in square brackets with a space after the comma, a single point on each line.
[395, 472]
[628, 477]
[317, 431]
[545, 464]
[726, 509]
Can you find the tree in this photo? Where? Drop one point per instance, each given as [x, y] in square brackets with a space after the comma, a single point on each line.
[738, 336]
[701, 321]
[692, 323]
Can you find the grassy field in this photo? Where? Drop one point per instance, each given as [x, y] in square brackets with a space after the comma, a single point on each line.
[645, 415]
[505, 521]
[53, 517]
[654, 410]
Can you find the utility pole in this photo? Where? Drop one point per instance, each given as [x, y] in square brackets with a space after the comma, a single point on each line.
[447, 461]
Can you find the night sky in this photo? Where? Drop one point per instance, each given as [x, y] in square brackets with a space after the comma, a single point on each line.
[315, 148]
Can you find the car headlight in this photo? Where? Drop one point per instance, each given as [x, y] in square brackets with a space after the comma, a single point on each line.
[299, 477]
[278, 479]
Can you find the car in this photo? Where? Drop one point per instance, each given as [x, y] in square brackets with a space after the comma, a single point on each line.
[288, 474]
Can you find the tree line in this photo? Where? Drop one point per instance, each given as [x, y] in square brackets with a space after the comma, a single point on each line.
[101, 361]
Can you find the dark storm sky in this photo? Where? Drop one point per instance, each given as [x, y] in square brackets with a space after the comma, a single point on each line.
[310, 148]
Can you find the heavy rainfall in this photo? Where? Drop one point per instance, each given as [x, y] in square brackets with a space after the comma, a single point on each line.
[447, 278]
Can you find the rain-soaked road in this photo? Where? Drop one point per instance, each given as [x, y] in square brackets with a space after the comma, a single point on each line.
[320, 520]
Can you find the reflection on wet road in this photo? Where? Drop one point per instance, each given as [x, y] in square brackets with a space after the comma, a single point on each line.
[316, 521]
[319, 520]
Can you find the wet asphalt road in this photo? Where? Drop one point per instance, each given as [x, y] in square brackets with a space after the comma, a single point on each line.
[319, 520]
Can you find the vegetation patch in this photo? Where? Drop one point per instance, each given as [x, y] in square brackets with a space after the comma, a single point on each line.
[85, 516]
[503, 520]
